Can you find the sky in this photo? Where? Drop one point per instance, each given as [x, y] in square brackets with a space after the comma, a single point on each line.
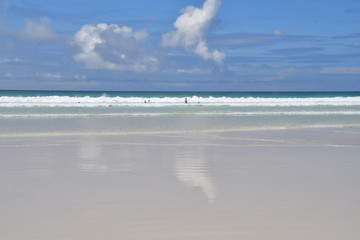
[180, 45]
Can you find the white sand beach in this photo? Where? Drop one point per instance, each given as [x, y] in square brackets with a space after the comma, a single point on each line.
[271, 185]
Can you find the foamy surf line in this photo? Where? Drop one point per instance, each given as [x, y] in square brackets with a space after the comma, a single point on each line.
[105, 101]
[84, 115]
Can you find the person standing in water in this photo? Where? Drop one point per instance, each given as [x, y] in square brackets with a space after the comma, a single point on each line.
[185, 100]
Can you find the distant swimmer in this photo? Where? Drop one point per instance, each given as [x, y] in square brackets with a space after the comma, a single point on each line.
[185, 100]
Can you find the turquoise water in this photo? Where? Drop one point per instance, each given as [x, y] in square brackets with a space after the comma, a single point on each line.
[128, 112]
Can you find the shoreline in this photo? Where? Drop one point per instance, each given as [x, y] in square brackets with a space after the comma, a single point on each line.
[179, 132]
[255, 185]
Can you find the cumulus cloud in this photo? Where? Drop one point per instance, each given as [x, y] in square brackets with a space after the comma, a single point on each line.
[38, 31]
[191, 27]
[114, 47]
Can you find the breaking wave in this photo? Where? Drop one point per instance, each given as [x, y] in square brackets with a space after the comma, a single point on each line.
[106, 101]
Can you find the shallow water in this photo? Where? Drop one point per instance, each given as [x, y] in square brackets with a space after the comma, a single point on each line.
[31, 112]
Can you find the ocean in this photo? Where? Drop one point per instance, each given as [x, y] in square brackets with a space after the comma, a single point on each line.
[132, 112]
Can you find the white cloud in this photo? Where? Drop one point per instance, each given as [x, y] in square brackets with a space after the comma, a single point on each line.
[114, 47]
[341, 70]
[277, 32]
[267, 72]
[191, 27]
[50, 75]
[38, 31]
[79, 77]
[10, 60]
[192, 71]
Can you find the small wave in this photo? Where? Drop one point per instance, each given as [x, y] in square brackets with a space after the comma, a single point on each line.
[106, 101]
[161, 114]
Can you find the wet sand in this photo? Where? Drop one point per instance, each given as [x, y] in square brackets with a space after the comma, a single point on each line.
[254, 185]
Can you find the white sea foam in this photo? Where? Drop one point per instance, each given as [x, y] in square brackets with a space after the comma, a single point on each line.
[105, 101]
[160, 114]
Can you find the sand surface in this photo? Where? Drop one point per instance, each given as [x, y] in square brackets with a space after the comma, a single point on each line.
[254, 185]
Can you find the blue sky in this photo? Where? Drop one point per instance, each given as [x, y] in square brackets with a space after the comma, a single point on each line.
[180, 45]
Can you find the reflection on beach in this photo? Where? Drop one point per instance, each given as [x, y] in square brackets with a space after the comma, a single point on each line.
[93, 158]
[90, 156]
[193, 172]
[189, 164]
